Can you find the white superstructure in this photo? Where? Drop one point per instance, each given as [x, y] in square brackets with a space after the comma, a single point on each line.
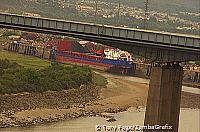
[117, 54]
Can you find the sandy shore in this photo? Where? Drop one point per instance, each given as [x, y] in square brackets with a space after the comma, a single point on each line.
[120, 94]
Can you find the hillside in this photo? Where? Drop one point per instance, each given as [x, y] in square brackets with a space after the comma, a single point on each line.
[165, 5]
[171, 15]
[45, 7]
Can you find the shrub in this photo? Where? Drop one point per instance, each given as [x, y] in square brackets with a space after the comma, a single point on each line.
[15, 78]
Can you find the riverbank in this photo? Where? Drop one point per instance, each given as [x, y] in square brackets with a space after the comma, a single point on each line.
[120, 94]
[30, 109]
[35, 108]
[189, 121]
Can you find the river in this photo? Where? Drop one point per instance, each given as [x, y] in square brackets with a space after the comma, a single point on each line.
[189, 122]
[189, 118]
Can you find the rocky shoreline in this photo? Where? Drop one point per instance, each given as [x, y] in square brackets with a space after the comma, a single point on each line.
[28, 121]
[27, 109]
[27, 118]
[38, 116]
[13, 108]
[192, 84]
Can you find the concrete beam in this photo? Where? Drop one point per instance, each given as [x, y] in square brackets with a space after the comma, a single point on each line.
[158, 46]
[163, 104]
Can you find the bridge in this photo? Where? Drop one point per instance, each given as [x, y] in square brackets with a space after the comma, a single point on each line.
[155, 45]
[163, 103]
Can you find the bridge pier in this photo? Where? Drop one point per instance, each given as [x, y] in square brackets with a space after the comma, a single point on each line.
[148, 72]
[132, 71]
[195, 77]
[163, 103]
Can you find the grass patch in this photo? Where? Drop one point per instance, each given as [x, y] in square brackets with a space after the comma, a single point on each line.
[26, 61]
[14, 78]
[41, 75]
[99, 80]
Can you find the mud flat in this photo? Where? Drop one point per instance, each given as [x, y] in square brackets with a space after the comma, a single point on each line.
[120, 94]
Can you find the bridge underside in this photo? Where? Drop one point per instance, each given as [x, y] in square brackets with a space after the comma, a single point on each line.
[156, 54]
[163, 103]
[153, 51]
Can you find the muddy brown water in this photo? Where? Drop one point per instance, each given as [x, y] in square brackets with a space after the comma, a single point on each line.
[189, 122]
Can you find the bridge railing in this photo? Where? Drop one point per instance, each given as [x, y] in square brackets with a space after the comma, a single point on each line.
[162, 38]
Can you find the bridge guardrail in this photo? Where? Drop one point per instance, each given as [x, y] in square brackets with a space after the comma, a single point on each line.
[164, 38]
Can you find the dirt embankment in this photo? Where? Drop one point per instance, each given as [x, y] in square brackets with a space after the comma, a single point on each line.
[27, 108]
[120, 94]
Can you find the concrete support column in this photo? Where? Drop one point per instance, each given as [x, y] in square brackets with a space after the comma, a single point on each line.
[195, 77]
[10, 47]
[134, 68]
[198, 78]
[148, 73]
[163, 104]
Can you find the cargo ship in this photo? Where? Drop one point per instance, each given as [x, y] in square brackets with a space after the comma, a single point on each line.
[86, 53]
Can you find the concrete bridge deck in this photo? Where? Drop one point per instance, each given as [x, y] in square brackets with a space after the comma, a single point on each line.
[158, 46]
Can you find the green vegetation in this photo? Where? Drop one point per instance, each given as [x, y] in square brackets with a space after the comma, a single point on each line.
[163, 5]
[5, 33]
[8, 32]
[45, 6]
[19, 73]
[3, 37]
[26, 61]
[99, 80]
[16, 79]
